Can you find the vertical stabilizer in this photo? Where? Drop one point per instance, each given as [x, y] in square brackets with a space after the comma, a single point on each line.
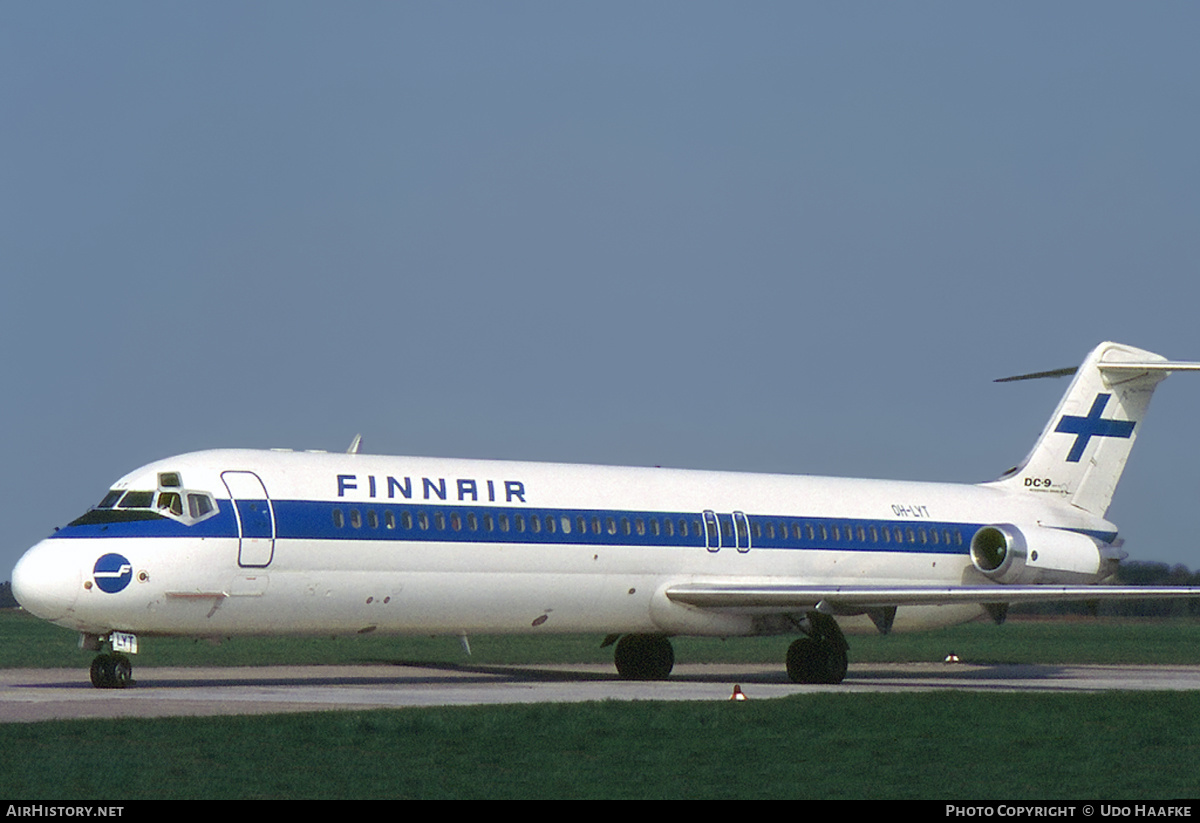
[1083, 449]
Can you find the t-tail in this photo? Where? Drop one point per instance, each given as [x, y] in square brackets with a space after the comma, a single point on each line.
[1083, 449]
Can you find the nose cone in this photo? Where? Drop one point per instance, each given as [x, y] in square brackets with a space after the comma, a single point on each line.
[44, 582]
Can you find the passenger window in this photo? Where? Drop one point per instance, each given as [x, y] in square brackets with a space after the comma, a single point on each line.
[389, 520]
[355, 519]
[566, 524]
[338, 519]
[406, 519]
[372, 519]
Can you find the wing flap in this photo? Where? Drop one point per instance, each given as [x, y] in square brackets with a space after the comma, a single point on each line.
[783, 597]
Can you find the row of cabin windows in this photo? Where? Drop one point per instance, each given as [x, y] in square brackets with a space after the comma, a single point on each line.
[856, 534]
[518, 523]
[642, 526]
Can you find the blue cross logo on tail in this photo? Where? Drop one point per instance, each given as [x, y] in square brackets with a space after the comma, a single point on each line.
[1085, 428]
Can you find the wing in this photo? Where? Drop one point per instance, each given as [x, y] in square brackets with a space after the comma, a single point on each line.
[784, 597]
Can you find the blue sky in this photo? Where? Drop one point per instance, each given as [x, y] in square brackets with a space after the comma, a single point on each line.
[782, 237]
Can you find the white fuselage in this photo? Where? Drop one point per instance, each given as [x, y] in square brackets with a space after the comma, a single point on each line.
[315, 543]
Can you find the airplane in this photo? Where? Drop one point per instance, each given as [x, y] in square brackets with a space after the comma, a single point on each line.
[246, 542]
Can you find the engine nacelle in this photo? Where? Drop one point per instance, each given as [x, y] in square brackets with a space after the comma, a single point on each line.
[1007, 554]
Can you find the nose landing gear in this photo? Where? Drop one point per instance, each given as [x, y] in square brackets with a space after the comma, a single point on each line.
[111, 671]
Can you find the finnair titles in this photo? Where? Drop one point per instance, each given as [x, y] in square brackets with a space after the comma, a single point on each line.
[467, 489]
[239, 542]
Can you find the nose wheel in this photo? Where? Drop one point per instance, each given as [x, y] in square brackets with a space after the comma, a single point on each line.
[111, 671]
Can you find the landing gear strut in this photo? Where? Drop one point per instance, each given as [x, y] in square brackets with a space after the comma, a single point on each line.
[644, 657]
[821, 656]
[111, 671]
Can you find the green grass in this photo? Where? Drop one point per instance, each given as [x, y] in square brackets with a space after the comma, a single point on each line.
[947, 745]
[30, 642]
[953, 745]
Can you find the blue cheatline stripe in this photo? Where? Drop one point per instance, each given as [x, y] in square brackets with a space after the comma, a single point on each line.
[318, 520]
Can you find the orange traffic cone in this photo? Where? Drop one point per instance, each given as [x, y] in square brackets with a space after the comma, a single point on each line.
[737, 694]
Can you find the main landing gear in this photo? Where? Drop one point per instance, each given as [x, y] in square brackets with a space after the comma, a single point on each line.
[821, 656]
[644, 657]
[818, 657]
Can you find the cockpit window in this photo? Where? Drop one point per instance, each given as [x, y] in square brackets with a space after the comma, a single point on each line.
[110, 499]
[120, 505]
[199, 505]
[136, 500]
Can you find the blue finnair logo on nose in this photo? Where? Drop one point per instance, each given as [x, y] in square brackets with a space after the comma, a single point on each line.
[113, 573]
[1085, 428]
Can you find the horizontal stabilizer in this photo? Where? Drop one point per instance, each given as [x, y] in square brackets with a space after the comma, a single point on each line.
[1165, 365]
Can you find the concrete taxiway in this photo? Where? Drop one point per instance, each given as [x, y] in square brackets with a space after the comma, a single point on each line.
[49, 694]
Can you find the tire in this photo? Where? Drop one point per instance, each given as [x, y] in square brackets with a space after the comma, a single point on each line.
[644, 657]
[816, 661]
[122, 672]
[101, 671]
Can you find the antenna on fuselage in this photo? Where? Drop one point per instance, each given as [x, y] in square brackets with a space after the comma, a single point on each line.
[354, 444]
